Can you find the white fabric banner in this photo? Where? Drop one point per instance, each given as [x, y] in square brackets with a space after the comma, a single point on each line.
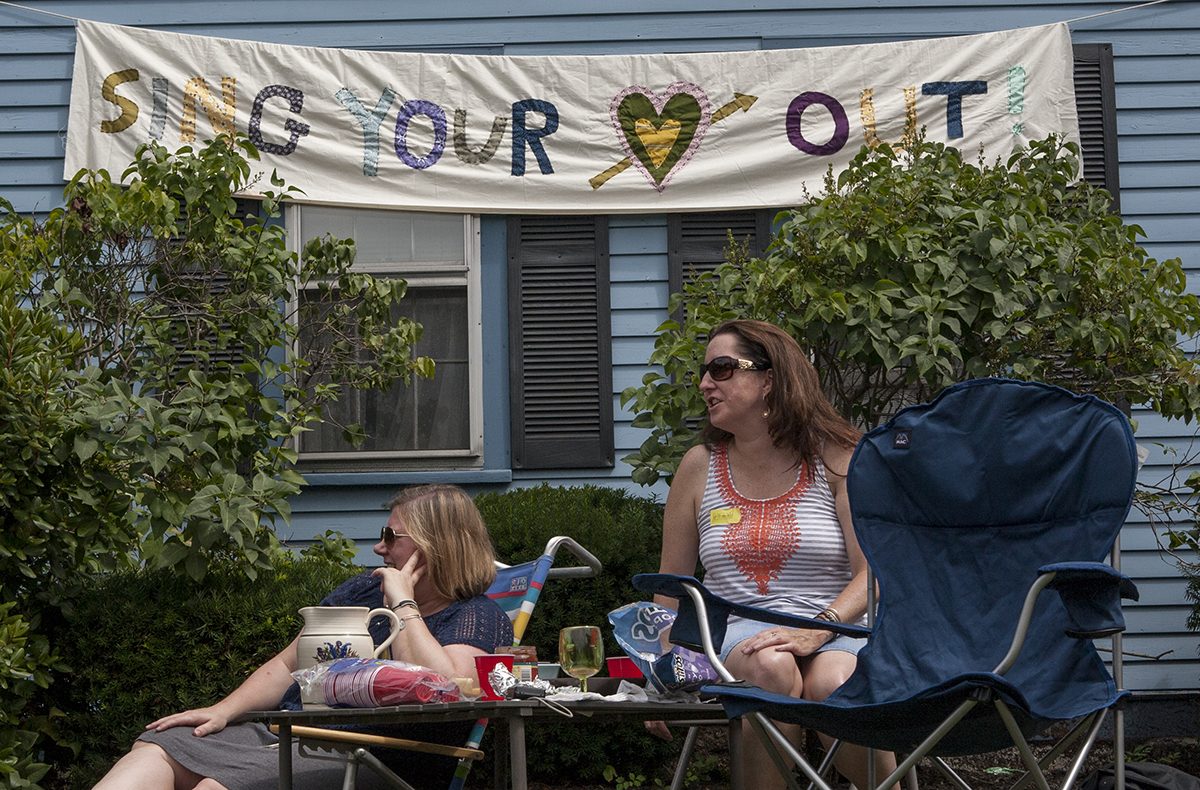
[564, 133]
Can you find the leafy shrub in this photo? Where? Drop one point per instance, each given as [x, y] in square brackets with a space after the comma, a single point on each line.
[916, 269]
[145, 396]
[142, 644]
[25, 667]
[624, 532]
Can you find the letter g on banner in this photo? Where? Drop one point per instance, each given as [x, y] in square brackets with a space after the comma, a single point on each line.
[795, 115]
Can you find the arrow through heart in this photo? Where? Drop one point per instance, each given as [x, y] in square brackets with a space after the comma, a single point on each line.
[660, 133]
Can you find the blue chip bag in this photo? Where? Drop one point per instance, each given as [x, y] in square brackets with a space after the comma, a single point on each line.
[641, 629]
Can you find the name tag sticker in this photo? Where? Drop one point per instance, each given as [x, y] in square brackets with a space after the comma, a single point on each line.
[725, 515]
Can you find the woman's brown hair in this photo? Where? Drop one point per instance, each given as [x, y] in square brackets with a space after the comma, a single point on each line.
[799, 417]
[448, 529]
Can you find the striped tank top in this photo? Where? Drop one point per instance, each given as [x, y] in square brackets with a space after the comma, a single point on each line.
[786, 553]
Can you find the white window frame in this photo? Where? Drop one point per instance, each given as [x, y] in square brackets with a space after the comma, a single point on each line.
[418, 274]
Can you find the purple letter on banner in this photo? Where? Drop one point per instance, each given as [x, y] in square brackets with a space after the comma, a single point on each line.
[841, 124]
[295, 100]
[532, 137]
[954, 91]
[435, 114]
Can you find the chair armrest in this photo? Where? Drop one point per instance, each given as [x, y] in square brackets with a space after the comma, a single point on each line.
[1091, 593]
[591, 566]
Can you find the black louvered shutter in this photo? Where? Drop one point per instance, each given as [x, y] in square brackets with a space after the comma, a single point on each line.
[1095, 103]
[560, 342]
[697, 243]
[217, 284]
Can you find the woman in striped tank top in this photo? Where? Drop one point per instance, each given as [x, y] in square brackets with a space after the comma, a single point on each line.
[761, 503]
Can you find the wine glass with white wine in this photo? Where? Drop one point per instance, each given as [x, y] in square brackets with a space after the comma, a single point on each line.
[580, 652]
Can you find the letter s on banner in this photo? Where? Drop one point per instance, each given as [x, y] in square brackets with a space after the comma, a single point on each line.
[129, 110]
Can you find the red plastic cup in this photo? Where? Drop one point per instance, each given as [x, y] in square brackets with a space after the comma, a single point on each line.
[622, 667]
[484, 665]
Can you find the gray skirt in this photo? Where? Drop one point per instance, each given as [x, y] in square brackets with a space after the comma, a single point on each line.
[246, 757]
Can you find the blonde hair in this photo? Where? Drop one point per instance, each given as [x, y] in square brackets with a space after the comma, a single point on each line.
[449, 530]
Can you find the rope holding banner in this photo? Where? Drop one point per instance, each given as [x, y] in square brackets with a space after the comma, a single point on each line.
[1069, 21]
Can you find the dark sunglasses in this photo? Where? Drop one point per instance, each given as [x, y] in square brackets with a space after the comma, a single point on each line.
[389, 535]
[721, 368]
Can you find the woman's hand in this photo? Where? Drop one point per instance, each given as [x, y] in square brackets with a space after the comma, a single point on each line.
[398, 583]
[205, 720]
[799, 642]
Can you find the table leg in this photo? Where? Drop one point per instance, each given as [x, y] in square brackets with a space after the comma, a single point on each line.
[285, 755]
[516, 753]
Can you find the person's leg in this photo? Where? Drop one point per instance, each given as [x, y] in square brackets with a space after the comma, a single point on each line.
[775, 672]
[824, 672]
[148, 767]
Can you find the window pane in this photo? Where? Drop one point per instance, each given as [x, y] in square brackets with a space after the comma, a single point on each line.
[390, 236]
[429, 414]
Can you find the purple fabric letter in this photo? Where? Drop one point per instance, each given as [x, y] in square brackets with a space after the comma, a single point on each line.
[841, 124]
[436, 114]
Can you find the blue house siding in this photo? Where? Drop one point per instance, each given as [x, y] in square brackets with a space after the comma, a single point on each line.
[1157, 69]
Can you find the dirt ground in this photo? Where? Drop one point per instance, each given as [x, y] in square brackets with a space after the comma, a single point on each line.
[984, 772]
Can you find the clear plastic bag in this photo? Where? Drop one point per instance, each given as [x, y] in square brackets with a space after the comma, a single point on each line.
[374, 682]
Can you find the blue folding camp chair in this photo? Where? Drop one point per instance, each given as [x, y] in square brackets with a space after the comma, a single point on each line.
[516, 589]
[967, 509]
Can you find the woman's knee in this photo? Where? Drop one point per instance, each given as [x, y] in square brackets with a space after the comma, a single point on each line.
[147, 748]
[826, 672]
[769, 670]
[209, 784]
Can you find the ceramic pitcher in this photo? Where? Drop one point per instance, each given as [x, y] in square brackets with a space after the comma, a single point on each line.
[332, 632]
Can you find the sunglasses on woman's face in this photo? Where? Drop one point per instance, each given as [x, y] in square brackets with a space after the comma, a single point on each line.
[389, 535]
[721, 368]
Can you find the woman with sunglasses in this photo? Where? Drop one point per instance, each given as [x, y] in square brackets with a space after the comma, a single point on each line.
[761, 504]
[438, 561]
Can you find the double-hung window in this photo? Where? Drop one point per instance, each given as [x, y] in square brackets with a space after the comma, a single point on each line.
[427, 423]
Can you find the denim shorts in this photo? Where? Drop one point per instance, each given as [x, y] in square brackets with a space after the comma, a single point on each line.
[740, 630]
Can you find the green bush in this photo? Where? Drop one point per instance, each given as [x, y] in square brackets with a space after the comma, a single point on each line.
[624, 532]
[25, 667]
[146, 643]
[145, 401]
[916, 269]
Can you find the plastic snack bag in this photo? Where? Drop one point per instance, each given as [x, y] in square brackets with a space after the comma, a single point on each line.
[375, 682]
[641, 630]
